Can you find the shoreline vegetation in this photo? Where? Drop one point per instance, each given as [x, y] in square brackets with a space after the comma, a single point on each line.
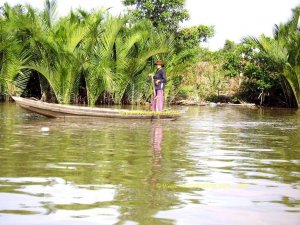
[94, 58]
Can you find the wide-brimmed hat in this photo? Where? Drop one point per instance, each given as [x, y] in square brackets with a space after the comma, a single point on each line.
[159, 62]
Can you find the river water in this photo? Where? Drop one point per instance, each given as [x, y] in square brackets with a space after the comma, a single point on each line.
[220, 165]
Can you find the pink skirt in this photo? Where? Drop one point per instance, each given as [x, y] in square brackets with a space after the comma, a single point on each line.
[157, 102]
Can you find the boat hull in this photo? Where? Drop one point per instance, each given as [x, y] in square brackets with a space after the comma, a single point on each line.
[62, 111]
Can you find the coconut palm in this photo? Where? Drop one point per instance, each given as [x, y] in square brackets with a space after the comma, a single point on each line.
[99, 65]
[136, 50]
[119, 61]
[54, 48]
[111, 54]
[27, 34]
[284, 52]
[13, 56]
[32, 30]
[60, 59]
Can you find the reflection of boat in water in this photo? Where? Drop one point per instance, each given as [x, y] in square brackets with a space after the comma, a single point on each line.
[59, 110]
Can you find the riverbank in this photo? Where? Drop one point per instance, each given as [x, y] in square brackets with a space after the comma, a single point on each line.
[196, 103]
[184, 102]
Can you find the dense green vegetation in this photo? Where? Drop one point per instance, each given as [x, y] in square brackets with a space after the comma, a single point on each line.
[94, 57]
[94, 53]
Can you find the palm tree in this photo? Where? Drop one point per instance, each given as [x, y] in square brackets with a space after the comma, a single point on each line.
[60, 60]
[136, 50]
[34, 41]
[284, 52]
[112, 55]
[100, 59]
[23, 38]
[119, 61]
[13, 56]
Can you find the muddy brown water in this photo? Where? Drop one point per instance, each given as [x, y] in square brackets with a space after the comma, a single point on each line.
[215, 165]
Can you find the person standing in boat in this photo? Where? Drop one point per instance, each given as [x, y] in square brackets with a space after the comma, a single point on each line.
[159, 80]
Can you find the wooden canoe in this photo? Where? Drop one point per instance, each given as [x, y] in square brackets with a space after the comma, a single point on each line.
[62, 111]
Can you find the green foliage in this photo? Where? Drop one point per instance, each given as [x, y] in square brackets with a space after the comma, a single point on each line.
[283, 52]
[233, 58]
[199, 75]
[189, 38]
[107, 54]
[177, 66]
[138, 51]
[257, 74]
[13, 54]
[212, 98]
[100, 56]
[100, 68]
[165, 15]
[228, 46]
[186, 92]
[119, 64]
[60, 58]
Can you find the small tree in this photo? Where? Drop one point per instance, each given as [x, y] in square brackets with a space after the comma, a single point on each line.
[191, 37]
[164, 14]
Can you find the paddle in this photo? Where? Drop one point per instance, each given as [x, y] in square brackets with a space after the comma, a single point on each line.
[154, 94]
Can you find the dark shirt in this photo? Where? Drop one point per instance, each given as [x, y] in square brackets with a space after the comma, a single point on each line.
[161, 76]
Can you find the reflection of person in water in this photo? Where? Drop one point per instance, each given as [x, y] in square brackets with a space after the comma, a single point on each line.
[143, 193]
[156, 136]
[156, 140]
